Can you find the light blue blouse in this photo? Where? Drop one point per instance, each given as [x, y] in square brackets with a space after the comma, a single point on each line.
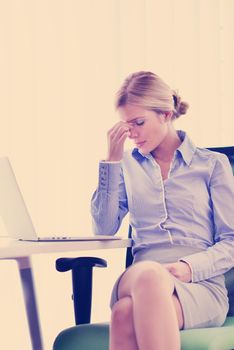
[193, 207]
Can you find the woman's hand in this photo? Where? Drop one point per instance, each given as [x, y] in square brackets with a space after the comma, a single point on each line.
[180, 270]
[116, 138]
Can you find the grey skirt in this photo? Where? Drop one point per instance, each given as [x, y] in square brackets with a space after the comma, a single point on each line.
[204, 304]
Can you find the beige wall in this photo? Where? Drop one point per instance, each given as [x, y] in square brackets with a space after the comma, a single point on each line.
[60, 65]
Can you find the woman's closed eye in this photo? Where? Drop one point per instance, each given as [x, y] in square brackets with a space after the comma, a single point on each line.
[136, 122]
[139, 122]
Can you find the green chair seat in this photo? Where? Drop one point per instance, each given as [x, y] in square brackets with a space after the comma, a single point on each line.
[216, 338]
[96, 337]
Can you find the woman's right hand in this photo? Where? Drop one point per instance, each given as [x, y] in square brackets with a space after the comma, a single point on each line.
[116, 138]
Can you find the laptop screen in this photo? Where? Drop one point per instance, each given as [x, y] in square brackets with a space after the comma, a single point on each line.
[14, 217]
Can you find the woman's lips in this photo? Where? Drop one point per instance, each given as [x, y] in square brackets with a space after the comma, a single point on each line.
[139, 144]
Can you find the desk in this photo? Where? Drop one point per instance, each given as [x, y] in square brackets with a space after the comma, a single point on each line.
[21, 252]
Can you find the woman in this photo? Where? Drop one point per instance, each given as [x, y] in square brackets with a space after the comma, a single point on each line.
[181, 202]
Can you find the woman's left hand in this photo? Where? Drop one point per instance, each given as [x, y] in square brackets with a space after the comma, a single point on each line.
[180, 270]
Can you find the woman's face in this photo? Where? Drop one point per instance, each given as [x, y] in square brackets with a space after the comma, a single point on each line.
[147, 128]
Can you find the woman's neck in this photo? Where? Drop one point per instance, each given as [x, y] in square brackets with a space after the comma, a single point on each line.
[165, 151]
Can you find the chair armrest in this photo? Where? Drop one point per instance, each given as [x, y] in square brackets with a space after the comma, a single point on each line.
[82, 271]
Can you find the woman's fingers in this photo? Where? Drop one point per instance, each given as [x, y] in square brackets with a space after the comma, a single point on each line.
[116, 138]
[116, 130]
[123, 137]
[117, 133]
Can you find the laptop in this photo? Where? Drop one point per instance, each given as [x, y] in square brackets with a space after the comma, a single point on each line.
[15, 220]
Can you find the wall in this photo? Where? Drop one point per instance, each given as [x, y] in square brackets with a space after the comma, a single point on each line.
[61, 63]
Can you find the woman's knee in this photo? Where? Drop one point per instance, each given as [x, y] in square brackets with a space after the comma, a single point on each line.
[122, 320]
[144, 277]
[152, 272]
[155, 279]
[122, 311]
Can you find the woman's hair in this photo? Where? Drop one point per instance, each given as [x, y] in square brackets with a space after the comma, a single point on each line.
[148, 90]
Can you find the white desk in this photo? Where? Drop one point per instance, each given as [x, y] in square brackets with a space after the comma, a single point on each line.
[21, 252]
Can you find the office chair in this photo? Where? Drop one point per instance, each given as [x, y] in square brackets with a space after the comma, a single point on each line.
[86, 336]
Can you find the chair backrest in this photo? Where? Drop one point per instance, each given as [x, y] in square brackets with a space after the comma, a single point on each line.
[229, 276]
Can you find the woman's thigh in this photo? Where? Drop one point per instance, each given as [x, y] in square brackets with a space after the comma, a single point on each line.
[163, 277]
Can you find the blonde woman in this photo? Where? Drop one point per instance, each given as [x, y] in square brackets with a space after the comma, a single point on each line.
[180, 200]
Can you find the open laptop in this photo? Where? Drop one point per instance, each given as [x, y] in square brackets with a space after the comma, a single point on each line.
[14, 216]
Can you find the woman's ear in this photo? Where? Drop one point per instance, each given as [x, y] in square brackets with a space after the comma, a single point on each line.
[168, 116]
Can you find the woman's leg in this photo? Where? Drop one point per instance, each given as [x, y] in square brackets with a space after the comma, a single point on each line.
[122, 332]
[156, 312]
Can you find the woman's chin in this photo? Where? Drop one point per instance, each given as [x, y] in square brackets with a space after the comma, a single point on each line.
[143, 150]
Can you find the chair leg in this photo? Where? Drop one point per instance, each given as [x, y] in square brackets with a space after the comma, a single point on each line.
[82, 293]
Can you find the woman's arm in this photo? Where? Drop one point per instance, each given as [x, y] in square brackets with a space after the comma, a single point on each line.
[109, 202]
[218, 258]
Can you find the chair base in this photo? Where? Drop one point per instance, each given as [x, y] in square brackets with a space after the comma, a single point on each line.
[96, 337]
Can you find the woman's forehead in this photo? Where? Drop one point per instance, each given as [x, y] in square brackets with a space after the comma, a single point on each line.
[131, 113]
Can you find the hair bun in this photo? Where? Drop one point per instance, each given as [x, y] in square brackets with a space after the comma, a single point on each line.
[180, 106]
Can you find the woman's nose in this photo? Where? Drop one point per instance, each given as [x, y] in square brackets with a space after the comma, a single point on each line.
[133, 133]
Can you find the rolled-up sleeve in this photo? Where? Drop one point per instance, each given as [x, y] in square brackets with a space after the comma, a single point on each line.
[109, 202]
[218, 258]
